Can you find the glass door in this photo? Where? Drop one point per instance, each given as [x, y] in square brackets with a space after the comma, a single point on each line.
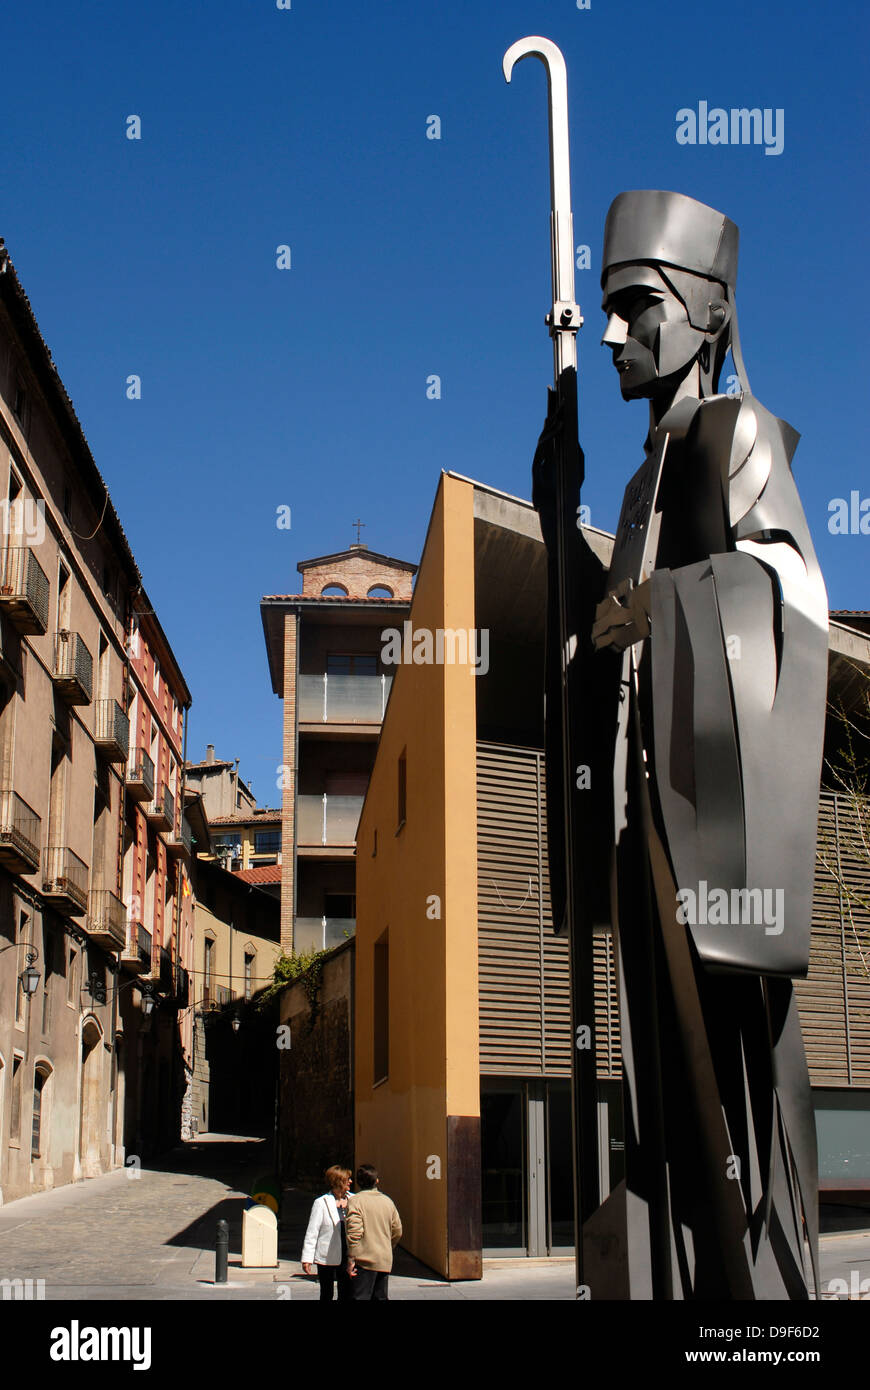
[503, 1119]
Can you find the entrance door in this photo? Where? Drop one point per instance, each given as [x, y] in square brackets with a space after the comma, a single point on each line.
[528, 1192]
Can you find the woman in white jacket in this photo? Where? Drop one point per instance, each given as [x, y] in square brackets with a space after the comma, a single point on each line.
[325, 1242]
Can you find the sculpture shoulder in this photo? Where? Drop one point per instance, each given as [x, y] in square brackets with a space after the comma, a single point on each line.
[739, 423]
[749, 444]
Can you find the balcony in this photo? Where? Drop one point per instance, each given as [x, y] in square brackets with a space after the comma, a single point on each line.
[112, 732]
[182, 987]
[136, 956]
[20, 834]
[106, 922]
[161, 811]
[65, 880]
[167, 974]
[24, 590]
[321, 933]
[181, 843]
[140, 776]
[343, 699]
[73, 668]
[327, 820]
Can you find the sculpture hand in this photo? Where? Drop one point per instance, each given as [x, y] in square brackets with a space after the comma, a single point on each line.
[622, 618]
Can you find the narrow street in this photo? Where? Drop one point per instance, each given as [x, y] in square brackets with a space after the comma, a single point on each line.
[152, 1238]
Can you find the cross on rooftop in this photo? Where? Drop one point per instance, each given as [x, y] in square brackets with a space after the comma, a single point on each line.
[359, 525]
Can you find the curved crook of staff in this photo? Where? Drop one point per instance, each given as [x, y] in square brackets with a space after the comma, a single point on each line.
[565, 318]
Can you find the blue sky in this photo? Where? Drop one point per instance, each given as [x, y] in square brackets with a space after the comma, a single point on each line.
[410, 256]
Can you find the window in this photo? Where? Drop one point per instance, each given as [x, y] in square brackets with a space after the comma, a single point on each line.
[267, 841]
[103, 669]
[206, 974]
[339, 905]
[402, 790]
[249, 975]
[72, 957]
[381, 1009]
[48, 962]
[63, 597]
[379, 591]
[352, 663]
[155, 678]
[22, 937]
[40, 1078]
[334, 591]
[19, 401]
[15, 1117]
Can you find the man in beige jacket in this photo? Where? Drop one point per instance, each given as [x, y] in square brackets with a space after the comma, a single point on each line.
[373, 1229]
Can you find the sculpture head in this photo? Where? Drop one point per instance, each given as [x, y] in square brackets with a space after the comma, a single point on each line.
[668, 274]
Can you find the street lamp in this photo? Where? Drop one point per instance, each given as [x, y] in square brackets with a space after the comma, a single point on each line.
[29, 977]
[237, 1023]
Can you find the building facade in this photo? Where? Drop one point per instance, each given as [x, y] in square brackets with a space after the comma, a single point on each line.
[237, 940]
[223, 791]
[324, 650]
[69, 586]
[462, 1035]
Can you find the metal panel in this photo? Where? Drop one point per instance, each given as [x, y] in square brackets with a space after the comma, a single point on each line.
[834, 1000]
[525, 1004]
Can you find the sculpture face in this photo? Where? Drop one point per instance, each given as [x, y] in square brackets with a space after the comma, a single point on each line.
[649, 330]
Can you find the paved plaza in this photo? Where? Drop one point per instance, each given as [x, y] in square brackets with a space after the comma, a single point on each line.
[152, 1238]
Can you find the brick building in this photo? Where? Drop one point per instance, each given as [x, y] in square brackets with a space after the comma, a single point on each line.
[324, 650]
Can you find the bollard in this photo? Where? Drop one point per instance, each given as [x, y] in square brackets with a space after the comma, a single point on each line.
[221, 1252]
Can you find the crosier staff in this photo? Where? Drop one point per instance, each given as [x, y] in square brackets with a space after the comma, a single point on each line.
[574, 581]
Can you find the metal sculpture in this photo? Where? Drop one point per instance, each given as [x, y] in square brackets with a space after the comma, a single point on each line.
[714, 617]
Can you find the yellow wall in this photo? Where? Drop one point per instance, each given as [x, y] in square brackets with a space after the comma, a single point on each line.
[434, 1068]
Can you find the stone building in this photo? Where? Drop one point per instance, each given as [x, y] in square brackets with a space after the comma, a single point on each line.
[69, 590]
[237, 940]
[223, 791]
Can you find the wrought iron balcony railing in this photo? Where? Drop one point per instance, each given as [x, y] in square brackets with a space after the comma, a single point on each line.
[24, 590]
[65, 880]
[106, 922]
[20, 834]
[136, 957]
[140, 775]
[181, 841]
[73, 668]
[112, 731]
[161, 811]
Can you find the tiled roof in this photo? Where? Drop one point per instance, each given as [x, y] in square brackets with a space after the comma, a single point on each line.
[264, 873]
[242, 817]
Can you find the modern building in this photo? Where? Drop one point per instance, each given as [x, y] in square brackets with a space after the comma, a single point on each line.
[72, 1034]
[462, 1037]
[324, 648]
[237, 940]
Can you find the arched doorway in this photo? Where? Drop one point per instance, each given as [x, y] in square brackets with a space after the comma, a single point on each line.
[92, 1112]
